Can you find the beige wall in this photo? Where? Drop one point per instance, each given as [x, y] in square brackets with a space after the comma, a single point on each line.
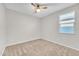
[3, 29]
[50, 29]
[21, 27]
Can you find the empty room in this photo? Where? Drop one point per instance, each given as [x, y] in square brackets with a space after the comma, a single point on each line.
[39, 29]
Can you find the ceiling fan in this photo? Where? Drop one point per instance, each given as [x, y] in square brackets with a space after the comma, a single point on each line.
[37, 7]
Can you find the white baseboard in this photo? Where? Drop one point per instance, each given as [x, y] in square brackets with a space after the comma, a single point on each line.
[63, 44]
[20, 42]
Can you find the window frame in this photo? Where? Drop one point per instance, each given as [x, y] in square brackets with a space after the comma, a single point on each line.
[74, 23]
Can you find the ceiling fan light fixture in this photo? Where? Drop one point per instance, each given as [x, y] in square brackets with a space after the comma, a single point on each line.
[38, 10]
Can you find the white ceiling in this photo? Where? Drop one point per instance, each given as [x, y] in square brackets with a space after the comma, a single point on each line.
[26, 8]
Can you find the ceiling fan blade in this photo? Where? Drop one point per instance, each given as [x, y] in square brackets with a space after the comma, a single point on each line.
[43, 7]
[49, 4]
[33, 4]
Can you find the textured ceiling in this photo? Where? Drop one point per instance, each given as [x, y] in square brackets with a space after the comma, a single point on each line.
[26, 8]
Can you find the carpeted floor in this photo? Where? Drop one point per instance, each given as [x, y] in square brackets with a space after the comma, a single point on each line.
[39, 47]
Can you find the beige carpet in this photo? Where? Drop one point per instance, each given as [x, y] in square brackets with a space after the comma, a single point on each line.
[39, 48]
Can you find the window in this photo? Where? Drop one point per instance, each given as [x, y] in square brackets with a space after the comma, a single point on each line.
[66, 22]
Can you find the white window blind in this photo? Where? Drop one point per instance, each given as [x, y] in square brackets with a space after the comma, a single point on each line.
[66, 22]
